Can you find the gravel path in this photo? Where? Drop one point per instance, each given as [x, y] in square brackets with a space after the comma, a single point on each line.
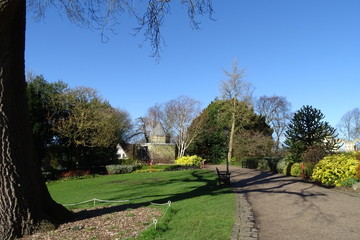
[287, 208]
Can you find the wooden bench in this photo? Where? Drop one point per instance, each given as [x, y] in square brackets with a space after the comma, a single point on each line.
[224, 177]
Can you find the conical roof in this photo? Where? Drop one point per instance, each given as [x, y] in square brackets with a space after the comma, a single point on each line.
[158, 130]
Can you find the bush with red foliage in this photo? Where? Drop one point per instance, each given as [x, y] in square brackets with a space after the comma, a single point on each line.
[75, 173]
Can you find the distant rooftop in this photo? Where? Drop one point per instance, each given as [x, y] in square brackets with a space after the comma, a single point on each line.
[158, 130]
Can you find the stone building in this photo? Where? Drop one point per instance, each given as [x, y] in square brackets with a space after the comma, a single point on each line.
[158, 135]
[159, 149]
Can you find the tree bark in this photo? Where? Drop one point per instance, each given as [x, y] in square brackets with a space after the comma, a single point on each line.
[25, 203]
[232, 130]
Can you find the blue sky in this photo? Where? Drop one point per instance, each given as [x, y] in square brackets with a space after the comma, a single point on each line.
[307, 51]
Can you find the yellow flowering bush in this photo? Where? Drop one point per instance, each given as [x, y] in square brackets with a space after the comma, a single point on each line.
[336, 169]
[357, 155]
[190, 161]
[358, 172]
[296, 170]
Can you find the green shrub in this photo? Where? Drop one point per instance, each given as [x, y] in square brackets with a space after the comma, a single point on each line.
[349, 182]
[220, 161]
[250, 162]
[336, 169]
[190, 161]
[148, 170]
[263, 165]
[272, 162]
[242, 162]
[358, 171]
[233, 161]
[281, 165]
[117, 169]
[287, 162]
[131, 161]
[357, 156]
[308, 169]
[48, 176]
[287, 168]
[293, 157]
[296, 170]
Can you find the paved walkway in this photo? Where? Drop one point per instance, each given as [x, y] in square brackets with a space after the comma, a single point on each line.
[278, 207]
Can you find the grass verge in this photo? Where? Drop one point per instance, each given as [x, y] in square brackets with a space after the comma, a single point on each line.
[200, 208]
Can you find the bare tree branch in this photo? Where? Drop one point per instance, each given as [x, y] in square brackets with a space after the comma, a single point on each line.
[349, 125]
[105, 15]
[176, 116]
[276, 111]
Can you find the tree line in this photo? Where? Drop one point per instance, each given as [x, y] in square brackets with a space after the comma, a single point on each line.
[25, 203]
[74, 127]
[236, 125]
[77, 128]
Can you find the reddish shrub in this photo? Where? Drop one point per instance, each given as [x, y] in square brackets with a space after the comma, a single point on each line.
[75, 173]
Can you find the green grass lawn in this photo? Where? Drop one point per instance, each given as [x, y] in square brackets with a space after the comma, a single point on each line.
[200, 209]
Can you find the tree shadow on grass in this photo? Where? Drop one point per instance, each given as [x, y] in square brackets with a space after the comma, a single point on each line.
[209, 187]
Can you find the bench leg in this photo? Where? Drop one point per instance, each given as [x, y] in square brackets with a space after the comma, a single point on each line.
[225, 180]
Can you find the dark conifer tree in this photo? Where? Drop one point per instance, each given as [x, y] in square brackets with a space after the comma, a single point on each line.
[308, 129]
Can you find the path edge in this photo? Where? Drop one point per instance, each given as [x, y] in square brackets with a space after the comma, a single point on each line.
[244, 226]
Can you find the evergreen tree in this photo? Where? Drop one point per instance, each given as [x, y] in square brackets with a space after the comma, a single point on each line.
[39, 94]
[212, 141]
[307, 129]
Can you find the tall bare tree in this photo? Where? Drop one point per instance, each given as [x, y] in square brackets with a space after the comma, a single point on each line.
[147, 123]
[175, 116]
[180, 113]
[236, 89]
[25, 202]
[349, 125]
[276, 111]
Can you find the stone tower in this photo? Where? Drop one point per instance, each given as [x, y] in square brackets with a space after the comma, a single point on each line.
[158, 134]
[159, 149]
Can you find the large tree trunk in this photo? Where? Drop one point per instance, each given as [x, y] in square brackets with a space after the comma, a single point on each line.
[25, 203]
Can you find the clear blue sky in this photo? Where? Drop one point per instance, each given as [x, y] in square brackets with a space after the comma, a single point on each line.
[307, 51]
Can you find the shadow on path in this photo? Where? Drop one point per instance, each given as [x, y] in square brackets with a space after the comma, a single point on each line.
[267, 182]
[286, 207]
